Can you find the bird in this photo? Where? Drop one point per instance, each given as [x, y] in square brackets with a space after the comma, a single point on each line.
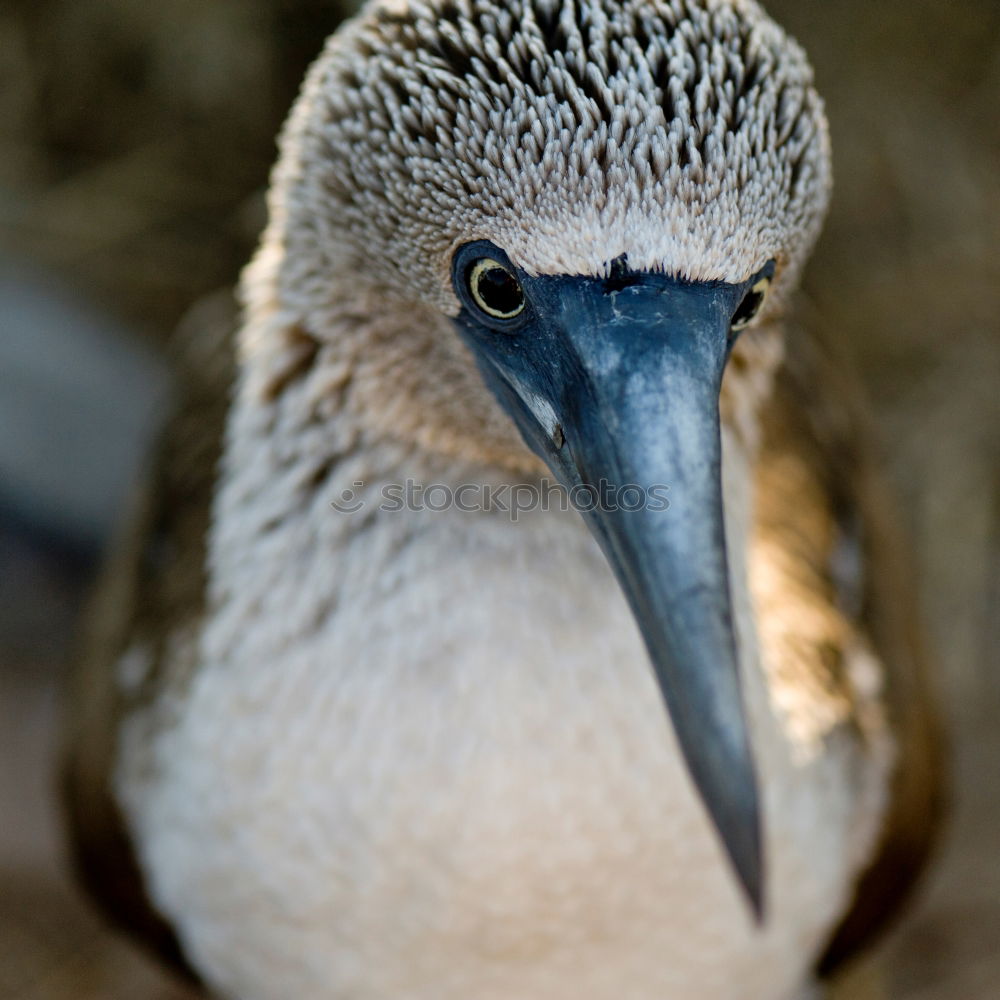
[514, 607]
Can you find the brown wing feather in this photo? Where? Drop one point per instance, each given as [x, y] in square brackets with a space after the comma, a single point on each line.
[815, 424]
[153, 583]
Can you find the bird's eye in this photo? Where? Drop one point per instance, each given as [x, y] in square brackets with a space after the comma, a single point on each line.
[751, 305]
[495, 289]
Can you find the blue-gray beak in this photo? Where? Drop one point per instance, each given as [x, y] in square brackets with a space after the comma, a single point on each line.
[614, 382]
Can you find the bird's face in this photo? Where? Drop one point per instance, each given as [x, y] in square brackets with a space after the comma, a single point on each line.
[593, 199]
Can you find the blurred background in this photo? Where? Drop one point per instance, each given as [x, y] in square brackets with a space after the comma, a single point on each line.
[135, 142]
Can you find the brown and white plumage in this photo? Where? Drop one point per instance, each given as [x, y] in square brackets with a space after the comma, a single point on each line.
[285, 709]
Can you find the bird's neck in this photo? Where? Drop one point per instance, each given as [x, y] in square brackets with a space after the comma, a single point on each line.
[383, 405]
[305, 477]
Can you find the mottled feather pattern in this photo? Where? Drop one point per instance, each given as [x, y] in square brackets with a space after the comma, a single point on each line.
[686, 134]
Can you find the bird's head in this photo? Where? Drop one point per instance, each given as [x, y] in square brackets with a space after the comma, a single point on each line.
[562, 213]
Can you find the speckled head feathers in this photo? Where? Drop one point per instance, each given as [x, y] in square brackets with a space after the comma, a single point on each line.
[683, 133]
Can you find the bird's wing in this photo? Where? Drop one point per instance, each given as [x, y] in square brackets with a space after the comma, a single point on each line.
[151, 587]
[822, 499]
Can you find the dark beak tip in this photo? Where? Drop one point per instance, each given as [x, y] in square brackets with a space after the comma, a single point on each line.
[730, 794]
[747, 860]
[753, 887]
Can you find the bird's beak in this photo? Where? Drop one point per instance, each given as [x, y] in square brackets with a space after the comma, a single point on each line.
[616, 384]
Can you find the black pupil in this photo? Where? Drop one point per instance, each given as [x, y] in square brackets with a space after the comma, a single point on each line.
[748, 308]
[499, 290]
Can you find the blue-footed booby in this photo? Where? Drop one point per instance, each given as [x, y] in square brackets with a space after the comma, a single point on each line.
[670, 742]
